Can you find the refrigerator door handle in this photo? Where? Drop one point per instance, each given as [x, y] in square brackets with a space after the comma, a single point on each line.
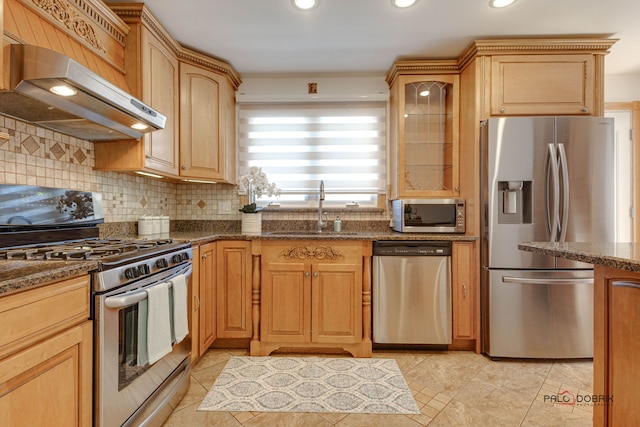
[553, 218]
[565, 192]
[529, 281]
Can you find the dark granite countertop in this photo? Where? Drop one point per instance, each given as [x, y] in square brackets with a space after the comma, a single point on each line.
[21, 275]
[201, 237]
[623, 256]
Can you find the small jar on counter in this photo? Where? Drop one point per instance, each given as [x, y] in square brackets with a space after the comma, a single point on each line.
[337, 224]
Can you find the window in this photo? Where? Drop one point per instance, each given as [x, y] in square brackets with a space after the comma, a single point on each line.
[299, 145]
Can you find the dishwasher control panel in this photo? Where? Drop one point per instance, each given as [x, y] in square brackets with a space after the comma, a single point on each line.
[412, 248]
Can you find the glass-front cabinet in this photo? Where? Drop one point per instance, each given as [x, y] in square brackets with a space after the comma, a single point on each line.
[425, 139]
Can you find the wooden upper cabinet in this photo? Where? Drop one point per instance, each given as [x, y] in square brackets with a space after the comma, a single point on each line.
[153, 76]
[424, 136]
[160, 83]
[542, 84]
[207, 125]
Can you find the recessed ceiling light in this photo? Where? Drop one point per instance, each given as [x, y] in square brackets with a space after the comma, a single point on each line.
[501, 3]
[403, 3]
[305, 4]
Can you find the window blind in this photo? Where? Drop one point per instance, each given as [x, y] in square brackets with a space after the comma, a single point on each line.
[299, 144]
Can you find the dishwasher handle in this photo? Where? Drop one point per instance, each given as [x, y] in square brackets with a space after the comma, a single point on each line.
[411, 248]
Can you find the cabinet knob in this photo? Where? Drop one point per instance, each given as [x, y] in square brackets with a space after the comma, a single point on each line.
[585, 110]
[306, 274]
[502, 110]
[147, 156]
[315, 274]
[457, 188]
[185, 167]
[204, 256]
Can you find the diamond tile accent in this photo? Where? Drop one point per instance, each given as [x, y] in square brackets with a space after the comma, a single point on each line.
[201, 204]
[31, 145]
[80, 156]
[57, 151]
[143, 202]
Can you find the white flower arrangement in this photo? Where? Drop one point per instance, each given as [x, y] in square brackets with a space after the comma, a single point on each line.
[256, 184]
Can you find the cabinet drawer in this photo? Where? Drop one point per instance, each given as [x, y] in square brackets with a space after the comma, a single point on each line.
[542, 84]
[33, 315]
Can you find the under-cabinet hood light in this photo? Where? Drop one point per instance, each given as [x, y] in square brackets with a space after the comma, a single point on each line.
[63, 90]
[139, 126]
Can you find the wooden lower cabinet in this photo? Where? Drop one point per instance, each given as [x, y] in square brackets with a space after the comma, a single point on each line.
[464, 294]
[315, 294]
[233, 289]
[46, 356]
[616, 369]
[207, 288]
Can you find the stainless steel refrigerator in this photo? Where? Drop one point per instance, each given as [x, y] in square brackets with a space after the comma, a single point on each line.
[543, 179]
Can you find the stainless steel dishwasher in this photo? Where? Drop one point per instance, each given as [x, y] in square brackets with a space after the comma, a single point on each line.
[411, 292]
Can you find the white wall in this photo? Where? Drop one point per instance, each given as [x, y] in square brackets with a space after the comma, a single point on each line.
[621, 88]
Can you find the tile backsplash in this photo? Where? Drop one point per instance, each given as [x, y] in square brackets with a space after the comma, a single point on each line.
[36, 156]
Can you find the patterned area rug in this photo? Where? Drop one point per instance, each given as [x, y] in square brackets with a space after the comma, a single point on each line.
[310, 384]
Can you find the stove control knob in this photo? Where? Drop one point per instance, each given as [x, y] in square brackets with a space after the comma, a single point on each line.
[144, 269]
[162, 263]
[185, 256]
[131, 273]
[176, 258]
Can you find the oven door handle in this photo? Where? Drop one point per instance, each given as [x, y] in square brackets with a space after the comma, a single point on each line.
[131, 298]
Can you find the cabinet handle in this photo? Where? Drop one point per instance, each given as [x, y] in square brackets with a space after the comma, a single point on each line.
[464, 290]
[502, 110]
[626, 284]
[197, 298]
[204, 256]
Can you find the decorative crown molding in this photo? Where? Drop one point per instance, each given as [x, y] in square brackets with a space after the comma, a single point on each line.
[311, 251]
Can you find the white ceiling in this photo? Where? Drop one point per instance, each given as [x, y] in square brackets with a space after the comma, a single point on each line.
[260, 37]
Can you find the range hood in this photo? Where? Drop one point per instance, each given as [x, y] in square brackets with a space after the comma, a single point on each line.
[96, 110]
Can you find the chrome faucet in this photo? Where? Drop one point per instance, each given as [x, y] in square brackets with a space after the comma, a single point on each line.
[321, 224]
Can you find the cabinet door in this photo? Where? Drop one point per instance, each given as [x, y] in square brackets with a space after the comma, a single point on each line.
[234, 289]
[202, 123]
[426, 143]
[463, 291]
[207, 273]
[285, 302]
[624, 347]
[160, 85]
[194, 317]
[336, 307]
[50, 382]
[542, 84]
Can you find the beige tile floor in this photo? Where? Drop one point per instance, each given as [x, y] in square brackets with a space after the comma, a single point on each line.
[451, 389]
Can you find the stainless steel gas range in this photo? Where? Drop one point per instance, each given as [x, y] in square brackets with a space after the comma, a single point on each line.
[138, 301]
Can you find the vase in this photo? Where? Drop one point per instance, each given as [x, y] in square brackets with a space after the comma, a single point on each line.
[251, 223]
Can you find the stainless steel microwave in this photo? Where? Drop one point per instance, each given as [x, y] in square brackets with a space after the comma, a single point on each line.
[429, 215]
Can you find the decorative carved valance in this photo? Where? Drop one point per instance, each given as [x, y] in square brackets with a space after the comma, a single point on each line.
[311, 251]
[65, 14]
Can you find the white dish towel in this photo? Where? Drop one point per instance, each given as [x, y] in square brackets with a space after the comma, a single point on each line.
[180, 309]
[158, 322]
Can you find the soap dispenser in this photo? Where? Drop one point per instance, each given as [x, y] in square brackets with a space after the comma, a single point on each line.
[337, 224]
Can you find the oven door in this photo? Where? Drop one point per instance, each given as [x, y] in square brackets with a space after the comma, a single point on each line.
[121, 386]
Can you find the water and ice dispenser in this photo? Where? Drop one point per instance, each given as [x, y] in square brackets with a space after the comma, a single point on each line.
[514, 202]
